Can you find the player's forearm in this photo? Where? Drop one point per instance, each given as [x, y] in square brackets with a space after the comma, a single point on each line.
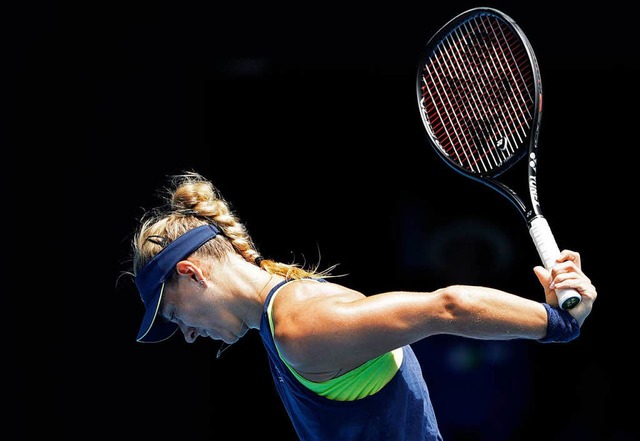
[477, 312]
[491, 314]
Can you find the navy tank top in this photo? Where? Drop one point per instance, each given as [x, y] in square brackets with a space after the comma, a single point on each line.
[400, 411]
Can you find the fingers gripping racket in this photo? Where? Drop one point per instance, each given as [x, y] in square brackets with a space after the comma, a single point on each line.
[480, 99]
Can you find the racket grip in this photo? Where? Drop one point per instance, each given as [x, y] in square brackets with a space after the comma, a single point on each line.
[549, 251]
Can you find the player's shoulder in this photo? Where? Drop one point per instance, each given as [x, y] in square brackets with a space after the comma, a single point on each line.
[314, 289]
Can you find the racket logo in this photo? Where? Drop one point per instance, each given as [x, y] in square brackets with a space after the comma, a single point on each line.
[533, 183]
[533, 189]
[533, 161]
[478, 47]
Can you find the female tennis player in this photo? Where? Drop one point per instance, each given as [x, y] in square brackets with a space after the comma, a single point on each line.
[341, 360]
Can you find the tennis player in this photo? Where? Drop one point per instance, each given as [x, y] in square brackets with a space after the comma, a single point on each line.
[341, 360]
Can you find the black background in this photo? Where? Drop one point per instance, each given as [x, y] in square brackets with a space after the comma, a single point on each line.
[304, 115]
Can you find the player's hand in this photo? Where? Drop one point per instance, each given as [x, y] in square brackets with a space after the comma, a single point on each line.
[567, 274]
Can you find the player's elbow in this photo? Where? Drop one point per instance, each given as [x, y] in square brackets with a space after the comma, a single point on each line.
[456, 304]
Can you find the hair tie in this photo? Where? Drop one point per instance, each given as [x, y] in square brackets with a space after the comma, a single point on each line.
[258, 260]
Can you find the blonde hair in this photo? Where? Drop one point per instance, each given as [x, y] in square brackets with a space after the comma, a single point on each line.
[191, 201]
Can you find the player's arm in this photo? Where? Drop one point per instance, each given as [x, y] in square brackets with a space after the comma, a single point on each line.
[346, 331]
[328, 335]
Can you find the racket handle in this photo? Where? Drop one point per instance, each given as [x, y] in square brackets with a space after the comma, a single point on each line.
[549, 251]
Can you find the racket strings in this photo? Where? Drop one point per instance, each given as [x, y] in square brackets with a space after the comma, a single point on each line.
[495, 121]
[513, 79]
[484, 124]
[480, 126]
[478, 93]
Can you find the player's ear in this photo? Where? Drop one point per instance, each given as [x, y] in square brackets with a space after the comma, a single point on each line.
[188, 268]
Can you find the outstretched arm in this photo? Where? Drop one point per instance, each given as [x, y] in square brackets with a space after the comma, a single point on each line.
[345, 330]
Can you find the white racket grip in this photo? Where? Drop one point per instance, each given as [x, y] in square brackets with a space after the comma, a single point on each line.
[549, 251]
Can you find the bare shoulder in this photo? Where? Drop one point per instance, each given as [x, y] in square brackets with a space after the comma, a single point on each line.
[308, 324]
[309, 290]
[308, 307]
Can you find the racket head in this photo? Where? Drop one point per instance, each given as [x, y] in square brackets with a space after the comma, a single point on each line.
[480, 94]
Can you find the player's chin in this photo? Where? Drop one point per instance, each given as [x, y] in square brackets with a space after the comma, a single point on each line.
[230, 339]
[224, 339]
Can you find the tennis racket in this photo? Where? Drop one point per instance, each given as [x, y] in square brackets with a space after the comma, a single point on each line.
[480, 98]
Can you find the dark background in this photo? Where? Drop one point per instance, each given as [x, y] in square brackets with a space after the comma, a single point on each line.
[304, 115]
